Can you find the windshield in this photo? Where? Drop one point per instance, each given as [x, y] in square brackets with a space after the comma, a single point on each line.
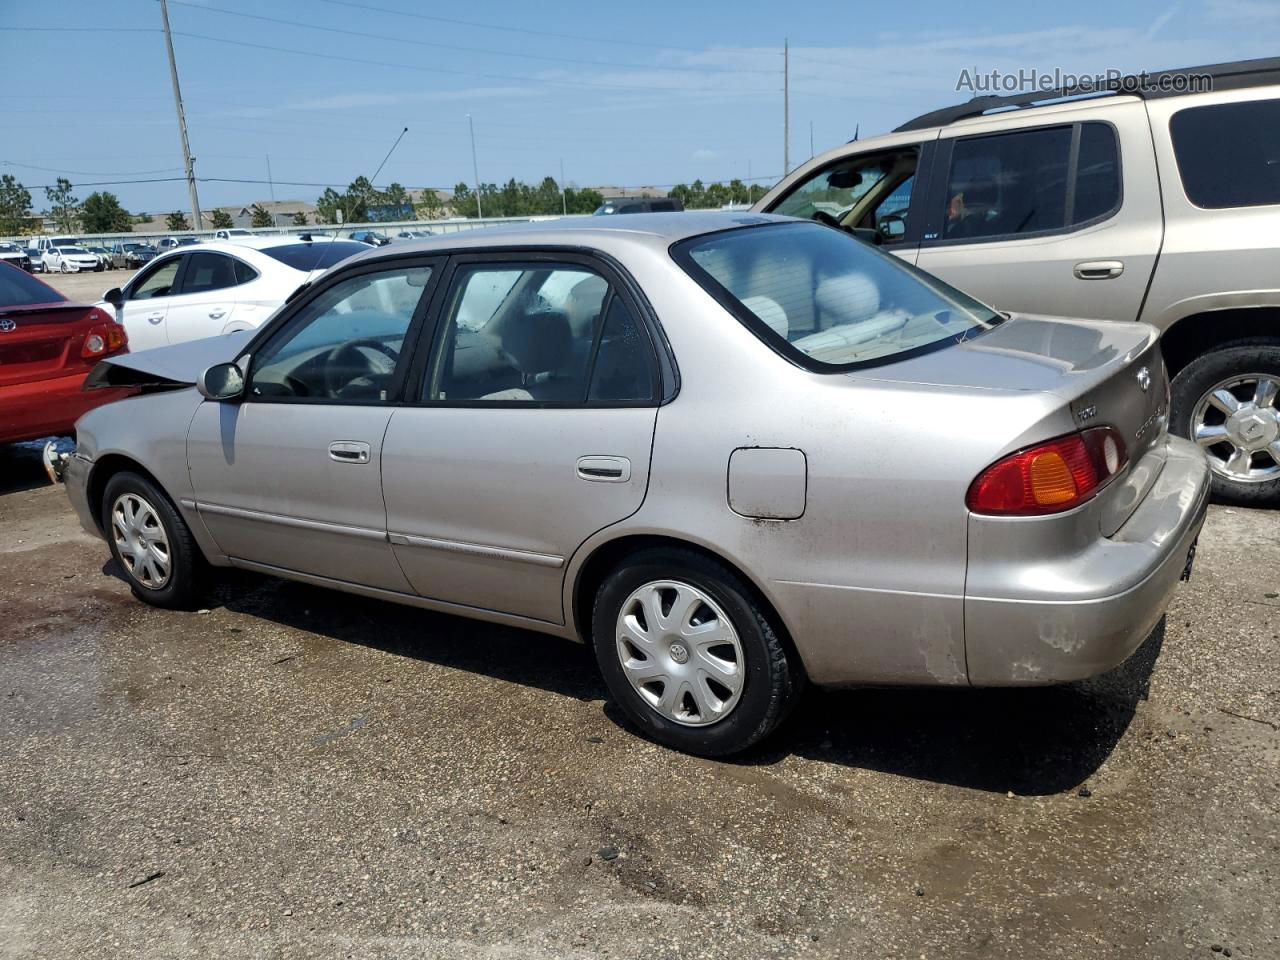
[73, 250]
[825, 299]
[317, 255]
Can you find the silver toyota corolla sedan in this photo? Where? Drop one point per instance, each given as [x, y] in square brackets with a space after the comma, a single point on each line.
[734, 453]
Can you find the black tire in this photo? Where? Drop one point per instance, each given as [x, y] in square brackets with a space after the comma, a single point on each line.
[1197, 379]
[772, 676]
[186, 575]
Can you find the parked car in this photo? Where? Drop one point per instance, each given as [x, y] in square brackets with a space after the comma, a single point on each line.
[36, 259]
[639, 205]
[1157, 206]
[371, 237]
[219, 287]
[232, 233]
[858, 474]
[70, 260]
[171, 243]
[103, 255]
[414, 234]
[48, 344]
[131, 255]
[14, 255]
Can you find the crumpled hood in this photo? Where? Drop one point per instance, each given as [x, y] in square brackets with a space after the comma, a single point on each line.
[167, 367]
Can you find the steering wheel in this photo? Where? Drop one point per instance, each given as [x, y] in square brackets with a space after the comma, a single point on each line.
[348, 356]
[826, 219]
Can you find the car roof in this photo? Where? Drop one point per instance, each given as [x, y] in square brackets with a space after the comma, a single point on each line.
[649, 230]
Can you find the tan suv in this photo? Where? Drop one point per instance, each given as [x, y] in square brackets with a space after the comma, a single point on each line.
[1153, 205]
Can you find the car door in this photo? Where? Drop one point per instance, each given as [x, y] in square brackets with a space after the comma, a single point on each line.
[146, 303]
[289, 478]
[205, 302]
[533, 428]
[1048, 219]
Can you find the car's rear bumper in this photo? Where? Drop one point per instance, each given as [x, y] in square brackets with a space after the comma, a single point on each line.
[44, 408]
[1085, 612]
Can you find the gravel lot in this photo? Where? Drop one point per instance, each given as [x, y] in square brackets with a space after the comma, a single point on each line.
[86, 287]
[298, 773]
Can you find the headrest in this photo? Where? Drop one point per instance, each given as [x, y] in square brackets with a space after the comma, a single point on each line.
[847, 298]
[538, 342]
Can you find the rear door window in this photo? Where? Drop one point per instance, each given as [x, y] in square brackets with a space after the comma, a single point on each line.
[1229, 153]
[1024, 182]
[209, 271]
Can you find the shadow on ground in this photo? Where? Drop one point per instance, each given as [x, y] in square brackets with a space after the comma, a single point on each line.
[21, 466]
[1032, 741]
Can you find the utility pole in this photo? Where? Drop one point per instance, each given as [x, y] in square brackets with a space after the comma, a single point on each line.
[475, 169]
[564, 197]
[270, 181]
[810, 139]
[182, 120]
[786, 107]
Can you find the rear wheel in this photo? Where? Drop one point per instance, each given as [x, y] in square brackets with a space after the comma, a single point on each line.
[1226, 401]
[151, 543]
[690, 654]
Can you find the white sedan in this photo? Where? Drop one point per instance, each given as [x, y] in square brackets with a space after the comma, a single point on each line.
[222, 287]
[70, 260]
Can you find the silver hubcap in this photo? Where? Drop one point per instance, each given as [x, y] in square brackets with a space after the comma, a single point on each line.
[140, 539]
[680, 652]
[1238, 426]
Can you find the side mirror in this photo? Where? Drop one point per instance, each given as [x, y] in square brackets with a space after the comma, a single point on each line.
[115, 297]
[222, 381]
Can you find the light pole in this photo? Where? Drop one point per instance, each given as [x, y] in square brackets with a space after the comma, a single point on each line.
[564, 197]
[188, 160]
[475, 169]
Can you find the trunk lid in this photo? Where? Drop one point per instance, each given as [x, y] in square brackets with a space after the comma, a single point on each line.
[43, 341]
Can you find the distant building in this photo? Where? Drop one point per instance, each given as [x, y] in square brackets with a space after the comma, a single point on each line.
[611, 193]
[282, 212]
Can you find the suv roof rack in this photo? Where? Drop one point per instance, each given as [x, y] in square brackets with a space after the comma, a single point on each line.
[1222, 76]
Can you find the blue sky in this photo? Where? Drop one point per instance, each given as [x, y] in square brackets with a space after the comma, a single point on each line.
[626, 94]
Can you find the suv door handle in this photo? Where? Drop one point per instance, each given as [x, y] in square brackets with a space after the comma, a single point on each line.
[1098, 269]
[349, 451]
[604, 469]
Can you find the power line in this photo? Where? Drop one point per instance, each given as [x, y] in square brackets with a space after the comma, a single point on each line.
[88, 173]
[337, 183]
[449, 46]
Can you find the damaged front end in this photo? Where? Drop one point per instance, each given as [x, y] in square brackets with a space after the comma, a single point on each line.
[166, 368]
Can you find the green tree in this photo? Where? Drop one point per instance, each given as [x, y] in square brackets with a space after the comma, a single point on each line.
[464, 201]
[177, 221]
[64, 208]
[756, 192]
[328, 205]
[582, 201]
[429, 205]
[221, 220]
[395, 194]
[15, 206]
[102, 213]
[259, 217]
[356, 203]
[738, 192]
[299, 218]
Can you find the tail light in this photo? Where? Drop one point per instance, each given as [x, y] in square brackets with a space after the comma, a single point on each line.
[103, 338]
[1050, 477]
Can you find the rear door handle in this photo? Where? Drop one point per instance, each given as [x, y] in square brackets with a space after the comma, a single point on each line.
[349, 451]
[604, 469]
[1098, 269]
[217, 313]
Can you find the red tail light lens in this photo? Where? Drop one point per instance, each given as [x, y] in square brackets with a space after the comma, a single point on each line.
[104, 338]
[1050, 477]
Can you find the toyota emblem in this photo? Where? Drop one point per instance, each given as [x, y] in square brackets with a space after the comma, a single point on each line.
[1144, 379]
[7, 325]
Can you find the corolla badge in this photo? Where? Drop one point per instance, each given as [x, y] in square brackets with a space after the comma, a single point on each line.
[7, 325]
[1144, 379]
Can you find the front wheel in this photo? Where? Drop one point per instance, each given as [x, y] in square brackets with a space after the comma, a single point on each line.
[151, 543]
[690, 655]
[1226, 401]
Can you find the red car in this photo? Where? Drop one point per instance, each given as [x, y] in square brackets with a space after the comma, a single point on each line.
[48, 345]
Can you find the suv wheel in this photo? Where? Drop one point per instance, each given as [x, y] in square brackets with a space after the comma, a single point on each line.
[1226, 401]
[689, 654]
[151, 543]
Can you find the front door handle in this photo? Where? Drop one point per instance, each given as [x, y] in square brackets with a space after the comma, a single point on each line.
[155, 317]
[604, 469]
[217, 313]
[1098, 269]
[349, 451]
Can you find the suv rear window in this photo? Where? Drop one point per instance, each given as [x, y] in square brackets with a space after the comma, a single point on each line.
[317, 255]
[1229, 153]
[826, 300]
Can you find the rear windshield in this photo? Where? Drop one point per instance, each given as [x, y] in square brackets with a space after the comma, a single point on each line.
[19, 289]
[317, 255]
[827, 300]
